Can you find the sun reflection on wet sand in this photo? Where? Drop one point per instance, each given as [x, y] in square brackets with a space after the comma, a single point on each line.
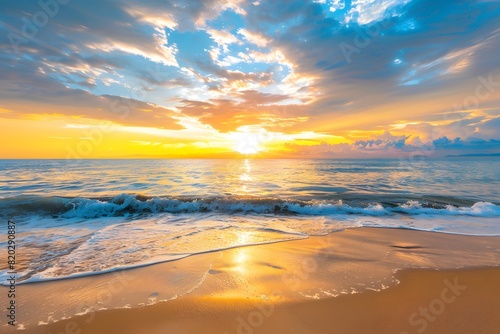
[240, 255]
[240, 259]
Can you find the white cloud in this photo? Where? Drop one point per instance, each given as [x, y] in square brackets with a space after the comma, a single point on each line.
[254, 38]
[337, 4]
[155, 19]
[453, 62]
[158, 53]
[222, 37]
[367, 11]
[219, 7]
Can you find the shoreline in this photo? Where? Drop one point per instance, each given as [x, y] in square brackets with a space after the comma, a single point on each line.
[313, 271]
[138, 266]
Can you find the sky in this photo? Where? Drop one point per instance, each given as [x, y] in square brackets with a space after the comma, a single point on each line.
[228, 79]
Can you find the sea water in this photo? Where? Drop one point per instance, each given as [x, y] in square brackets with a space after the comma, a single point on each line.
[82, 217]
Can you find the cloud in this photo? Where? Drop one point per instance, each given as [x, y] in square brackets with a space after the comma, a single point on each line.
[396, 148]
[29, 92]
[367, 11]
[256, 98]
[453, 63]
[254, 38]
[222, 37]
[145, 37]
[152, 17]
[357, 70]
[383, 142]
[161, 53]
[253, 108]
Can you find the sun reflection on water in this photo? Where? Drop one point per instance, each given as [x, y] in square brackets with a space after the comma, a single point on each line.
[245, 176]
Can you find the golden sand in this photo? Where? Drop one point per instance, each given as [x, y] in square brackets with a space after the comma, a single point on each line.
[416, 305]
[346, 282]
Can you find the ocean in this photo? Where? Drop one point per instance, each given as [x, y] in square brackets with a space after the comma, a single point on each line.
[84, 217]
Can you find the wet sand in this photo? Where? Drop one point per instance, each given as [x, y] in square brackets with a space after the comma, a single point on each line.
[365, 280]
[414, 306]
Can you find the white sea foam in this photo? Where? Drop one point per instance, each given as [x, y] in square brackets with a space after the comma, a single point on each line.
[91, 236]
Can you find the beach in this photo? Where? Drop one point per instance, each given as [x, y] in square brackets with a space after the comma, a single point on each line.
[249, 167]
[364, 280]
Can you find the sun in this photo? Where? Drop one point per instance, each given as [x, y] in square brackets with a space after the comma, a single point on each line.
[247, 143]
[251, 139]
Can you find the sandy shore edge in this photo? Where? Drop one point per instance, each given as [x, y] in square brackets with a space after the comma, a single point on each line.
[344, 281]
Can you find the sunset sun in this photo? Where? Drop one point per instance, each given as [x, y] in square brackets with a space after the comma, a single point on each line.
[247, 142]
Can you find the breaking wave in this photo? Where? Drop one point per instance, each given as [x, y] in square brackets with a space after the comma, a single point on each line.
[132, 205]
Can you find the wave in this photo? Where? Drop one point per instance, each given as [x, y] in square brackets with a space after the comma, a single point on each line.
[82, 242]
[124, 205]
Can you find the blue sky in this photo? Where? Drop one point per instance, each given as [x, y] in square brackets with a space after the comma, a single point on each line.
[318, 78]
